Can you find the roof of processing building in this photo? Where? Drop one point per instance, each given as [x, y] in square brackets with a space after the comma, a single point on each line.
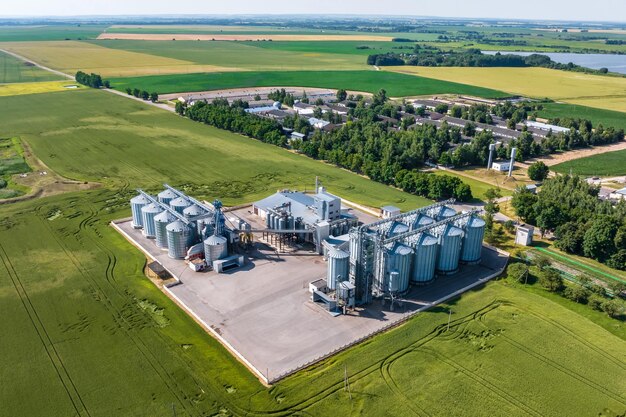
[302, 205]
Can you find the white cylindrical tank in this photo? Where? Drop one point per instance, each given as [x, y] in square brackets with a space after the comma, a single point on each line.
[177, 239]
[136, 204]
[180, 204]
[148, 213]
[161, 221]
[338, 266]
[166, 196]
[215, 247]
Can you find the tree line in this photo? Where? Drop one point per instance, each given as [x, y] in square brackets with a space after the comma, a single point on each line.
[91, 80]
[582, 224]
[144, 95]
[362, 146]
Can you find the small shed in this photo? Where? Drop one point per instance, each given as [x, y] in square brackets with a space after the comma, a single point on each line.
[389, 211]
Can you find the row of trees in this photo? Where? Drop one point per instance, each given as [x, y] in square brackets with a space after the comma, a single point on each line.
[472, 58]
[364, 147]
[582, 224]
[153, 97]
[91, 80]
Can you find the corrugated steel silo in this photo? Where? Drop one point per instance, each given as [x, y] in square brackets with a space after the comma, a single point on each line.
[444, 212]
[268, 220]
[180, 204]
[193, 211]
[161, 221]
[398, 262]
[338, 265]
[148, 213]
[422, 220]
[282, 223]
[166, 196]
[397, 228]
[177, 239]
[136, 204]
[215, 248]
[425, 259]
[473, 240]
[449, 250]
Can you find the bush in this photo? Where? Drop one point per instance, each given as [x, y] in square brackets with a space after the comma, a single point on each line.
[518, 272]
[613, 308]
[577, 293]
[551, 280]
[538, 171]
[596, 302]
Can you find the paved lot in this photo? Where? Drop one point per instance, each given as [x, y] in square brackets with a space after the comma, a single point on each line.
[264, 312]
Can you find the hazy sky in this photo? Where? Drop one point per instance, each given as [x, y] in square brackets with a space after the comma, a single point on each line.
[608, 10]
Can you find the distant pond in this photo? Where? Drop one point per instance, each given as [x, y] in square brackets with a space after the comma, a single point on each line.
[614, 63]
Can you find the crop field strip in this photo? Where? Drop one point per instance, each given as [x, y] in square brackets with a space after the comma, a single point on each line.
[13, 70]
[605, 165]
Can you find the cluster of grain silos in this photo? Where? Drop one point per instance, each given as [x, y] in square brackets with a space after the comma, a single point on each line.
[387, 256]
[177, 222]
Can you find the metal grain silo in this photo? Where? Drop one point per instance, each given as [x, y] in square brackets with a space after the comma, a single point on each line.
[282, 223]
[444, 212]
[161, 221]
[449, 250]
[397, 228]
[193, 211]
[473, 240]
[422, 220]
[398, 268]
[136, 204]
[177, 239]
[268, 220]
[215, 248]
[425, 259]
[148, 213]
[166, 196]
[338, 264]
[180, 204]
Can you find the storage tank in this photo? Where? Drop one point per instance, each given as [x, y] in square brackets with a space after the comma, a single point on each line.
[161, 221]
[338, 264]
[449, 250]
[193, 211]
[166, 196]
[282, 223]
[444, 212]
[215, 248]
[422, 220]
[179, 204]
[425, 259]
[136, 204]
[397, 228]
[177, 239]
[268, 220]
[473, 240]
[148, 213]
[398, 264]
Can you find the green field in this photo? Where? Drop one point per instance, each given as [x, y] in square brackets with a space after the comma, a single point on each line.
[13, 70]
[479, 188]
[605, 165]
[397, 85]
[117, 140]
[12, 161]
[240, 55]
[89, 335]
[597, 116]
[49, 32]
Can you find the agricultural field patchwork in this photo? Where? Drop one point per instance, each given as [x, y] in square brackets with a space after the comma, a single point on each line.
[596, 91]
[396, 85]
[13, 70]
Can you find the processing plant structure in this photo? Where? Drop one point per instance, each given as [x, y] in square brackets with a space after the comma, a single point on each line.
[379, 260]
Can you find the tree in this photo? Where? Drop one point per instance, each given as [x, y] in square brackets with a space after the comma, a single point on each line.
[469, 129]
[599, 239]
[107, 84]
[538, 171]
[180, 107]
[577, 293]
[136, 92]
[442, 108]
[257, 98]
[613, 308]
[342, 94]
[456, 111]
[518, 272]
[129, 91]
[145, 95]
[523, 202]
[551, 280]
[154, 97]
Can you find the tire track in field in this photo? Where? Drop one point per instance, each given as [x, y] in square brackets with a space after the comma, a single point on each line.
[59, 367]
[119, 316]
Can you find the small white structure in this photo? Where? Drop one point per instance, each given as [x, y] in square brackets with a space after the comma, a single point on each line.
[501, 166]
[318, 123]
[532, 188]
[389, 211]
[618, 195]
[524, 235]
[319, 285]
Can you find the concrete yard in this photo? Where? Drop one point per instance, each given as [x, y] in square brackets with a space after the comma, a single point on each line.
[264, 314]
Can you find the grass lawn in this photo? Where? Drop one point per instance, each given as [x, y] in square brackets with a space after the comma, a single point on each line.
[596, 91]
[606, 164]
[13, 70]
[397, 85]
